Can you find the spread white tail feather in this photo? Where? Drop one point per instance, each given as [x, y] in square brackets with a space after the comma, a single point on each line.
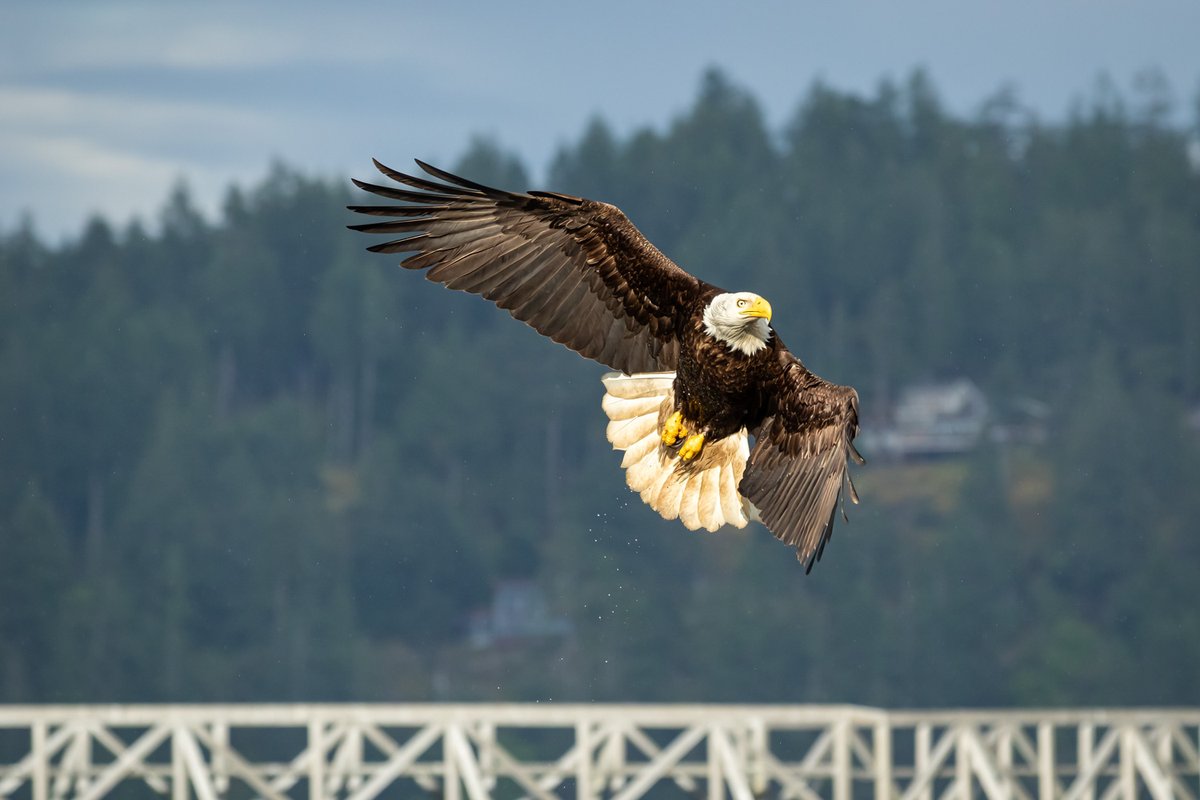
[700, 495]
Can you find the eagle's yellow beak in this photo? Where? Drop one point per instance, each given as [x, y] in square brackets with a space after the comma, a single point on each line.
[758, 308]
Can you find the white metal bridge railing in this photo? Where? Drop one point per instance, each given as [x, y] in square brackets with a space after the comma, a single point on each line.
[594, 751]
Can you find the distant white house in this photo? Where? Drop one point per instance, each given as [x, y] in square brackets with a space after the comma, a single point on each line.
[932, 420]
[1193, 153]
[518, 612]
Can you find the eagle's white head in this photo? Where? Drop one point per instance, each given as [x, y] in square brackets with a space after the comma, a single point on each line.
[739, 319]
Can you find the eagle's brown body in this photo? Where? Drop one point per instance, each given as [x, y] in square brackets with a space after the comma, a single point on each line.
[721, 390]
[579, 272]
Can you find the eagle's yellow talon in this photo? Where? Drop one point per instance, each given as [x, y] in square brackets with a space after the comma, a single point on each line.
[673, 431]
[691, 447]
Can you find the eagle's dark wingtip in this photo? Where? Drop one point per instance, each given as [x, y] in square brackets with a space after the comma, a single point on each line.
[441, 174]
[393, 173]
[459, 181]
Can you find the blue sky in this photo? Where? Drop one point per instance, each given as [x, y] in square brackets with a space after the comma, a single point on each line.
[104, 105]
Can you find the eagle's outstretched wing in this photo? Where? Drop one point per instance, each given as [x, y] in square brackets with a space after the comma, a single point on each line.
[576, 270]
[796, 471]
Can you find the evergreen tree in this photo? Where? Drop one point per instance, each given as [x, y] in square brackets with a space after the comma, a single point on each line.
[227, 446]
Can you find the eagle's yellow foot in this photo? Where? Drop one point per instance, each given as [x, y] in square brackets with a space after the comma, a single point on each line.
[691, 447]
[673, 431]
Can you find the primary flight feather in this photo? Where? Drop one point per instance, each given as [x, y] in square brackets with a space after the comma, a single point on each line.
[701, 370]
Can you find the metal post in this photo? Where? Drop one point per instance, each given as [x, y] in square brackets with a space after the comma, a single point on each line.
[1004, 760]
[1086, 742]
[716, 791]
[613, 758]
[1045, 749]
[316, 759]
[962, 765]
[923, 743]
[1126, 774]
[841, 760]
[179, 786]
[759, 747]
[41, 760]
[450, 787]
[1165, 749]
[883, 760]
[487, 754]
[455, 740]
[220, 744]
[352, 748]
[197, 772]
[583, 764]
[79, 756]
[731, 773]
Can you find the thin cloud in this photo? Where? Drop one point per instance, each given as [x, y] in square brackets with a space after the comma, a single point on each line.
[148, 35]
[161, 125]
[214, 92]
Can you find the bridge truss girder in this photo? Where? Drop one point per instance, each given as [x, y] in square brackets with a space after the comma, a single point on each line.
[587, 752]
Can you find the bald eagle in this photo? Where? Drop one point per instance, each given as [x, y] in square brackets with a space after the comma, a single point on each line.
[699, 370]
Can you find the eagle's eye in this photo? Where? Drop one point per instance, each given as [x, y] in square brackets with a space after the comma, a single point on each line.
[741, 303]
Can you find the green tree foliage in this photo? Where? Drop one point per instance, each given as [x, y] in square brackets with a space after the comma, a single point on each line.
[35, 574]
[246, 460]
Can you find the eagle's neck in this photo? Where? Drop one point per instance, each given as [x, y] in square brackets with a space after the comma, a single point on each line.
[744, 336]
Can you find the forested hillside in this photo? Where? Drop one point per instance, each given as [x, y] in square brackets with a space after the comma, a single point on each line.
[244, 459]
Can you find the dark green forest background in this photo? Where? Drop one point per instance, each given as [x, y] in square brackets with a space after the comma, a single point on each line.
[246, 460]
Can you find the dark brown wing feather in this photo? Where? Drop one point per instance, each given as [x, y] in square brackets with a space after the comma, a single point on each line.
[795, 473]
[576, 270]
